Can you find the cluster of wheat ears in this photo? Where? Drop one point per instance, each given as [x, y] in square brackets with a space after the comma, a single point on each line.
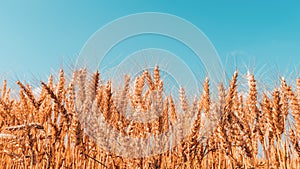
[247, 131]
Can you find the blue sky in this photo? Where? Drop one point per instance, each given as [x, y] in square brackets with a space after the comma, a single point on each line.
[39, 37]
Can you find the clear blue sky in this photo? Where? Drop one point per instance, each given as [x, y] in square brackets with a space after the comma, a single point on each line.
[37, 37]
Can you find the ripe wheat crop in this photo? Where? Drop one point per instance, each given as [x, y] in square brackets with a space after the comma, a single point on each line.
[248, 131]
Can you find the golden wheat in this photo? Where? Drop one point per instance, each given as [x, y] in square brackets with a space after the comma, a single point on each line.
[48, 131]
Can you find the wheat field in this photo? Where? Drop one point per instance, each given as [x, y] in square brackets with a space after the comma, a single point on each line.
[45, 130]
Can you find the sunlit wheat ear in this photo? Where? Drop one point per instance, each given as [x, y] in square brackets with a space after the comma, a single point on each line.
[123, 95]
[81, 82]
[138, 89]
[268, 123]
[252, 98]
[206, 98]
[295, 109]
[231, 93]
[278, 116]
[173, 114]
[29, 94]
[156, 77]
[183, 101]
[222, 96]
[60, 86]
[298, 88]
[3, 91]
[149, 80]
[91, 88]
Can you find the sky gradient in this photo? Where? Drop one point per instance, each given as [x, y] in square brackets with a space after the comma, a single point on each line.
[37, 37]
